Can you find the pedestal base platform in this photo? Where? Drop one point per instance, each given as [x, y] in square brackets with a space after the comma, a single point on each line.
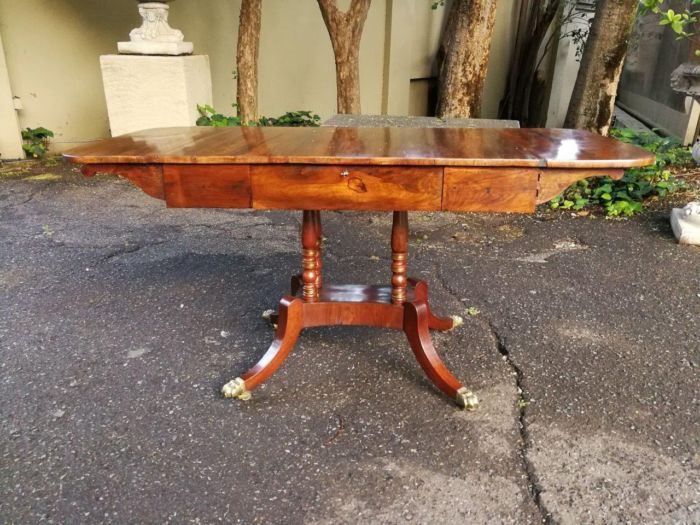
[401, 306]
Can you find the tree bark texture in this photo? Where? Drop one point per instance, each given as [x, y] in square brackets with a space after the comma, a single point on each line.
[247, 60]
[464, 57]
[593, 99]
[345, 30]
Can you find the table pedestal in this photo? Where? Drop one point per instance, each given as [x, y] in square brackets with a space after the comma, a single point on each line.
[402, 306]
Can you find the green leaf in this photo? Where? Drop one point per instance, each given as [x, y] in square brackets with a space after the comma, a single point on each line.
[580, 203]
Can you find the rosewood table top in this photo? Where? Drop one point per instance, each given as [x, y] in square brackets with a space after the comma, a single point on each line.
[483, 147]
[391, 169]
[451, 169]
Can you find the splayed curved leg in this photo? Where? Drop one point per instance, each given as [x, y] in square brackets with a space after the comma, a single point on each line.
[434, 322]
[416, 326]
[290, 323]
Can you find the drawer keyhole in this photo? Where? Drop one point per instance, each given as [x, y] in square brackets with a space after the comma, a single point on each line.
[344, 173]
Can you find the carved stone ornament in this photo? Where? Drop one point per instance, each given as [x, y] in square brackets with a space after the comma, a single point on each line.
[686, 79]
[155, 36]
[686, 223]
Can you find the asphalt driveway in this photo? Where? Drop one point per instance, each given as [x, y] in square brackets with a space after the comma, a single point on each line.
[121, 319]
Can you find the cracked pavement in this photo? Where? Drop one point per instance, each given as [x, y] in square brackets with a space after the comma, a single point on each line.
[121, 319]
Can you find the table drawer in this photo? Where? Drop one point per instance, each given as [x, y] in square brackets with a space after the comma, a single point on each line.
[346, 187]
[490, 189]
[206, 186]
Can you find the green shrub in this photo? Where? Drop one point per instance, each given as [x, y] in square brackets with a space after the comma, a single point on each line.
[627, 195]
[210, 117]
[36, 141]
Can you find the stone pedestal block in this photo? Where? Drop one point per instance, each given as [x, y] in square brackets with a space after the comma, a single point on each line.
[155, 48]
[146, 92]
[685, 223]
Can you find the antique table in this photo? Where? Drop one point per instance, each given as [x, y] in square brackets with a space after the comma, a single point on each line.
[379, 169]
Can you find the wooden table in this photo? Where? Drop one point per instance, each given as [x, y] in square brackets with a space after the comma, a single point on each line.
[379, 169]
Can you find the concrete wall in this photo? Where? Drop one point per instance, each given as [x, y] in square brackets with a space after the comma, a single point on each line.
[53, 48]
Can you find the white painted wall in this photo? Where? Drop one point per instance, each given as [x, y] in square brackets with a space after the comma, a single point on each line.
[10, 142]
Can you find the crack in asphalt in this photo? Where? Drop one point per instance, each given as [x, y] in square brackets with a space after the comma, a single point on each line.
[28, 199]
[525, 445]
[525, 442]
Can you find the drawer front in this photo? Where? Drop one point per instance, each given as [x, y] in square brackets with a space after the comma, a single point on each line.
[206, 186]
[490, 189]
[346, 187]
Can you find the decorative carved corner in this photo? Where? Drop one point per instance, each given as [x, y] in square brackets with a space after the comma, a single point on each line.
[553, 182]
[148, 177]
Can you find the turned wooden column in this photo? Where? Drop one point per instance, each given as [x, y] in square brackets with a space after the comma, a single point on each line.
[310, 256]
[319, 237]
[399, 257]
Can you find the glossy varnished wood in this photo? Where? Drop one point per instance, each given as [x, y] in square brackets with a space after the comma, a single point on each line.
[554, 181]
[554, 148]
[420, 293]
[416, 327]
[148, 177]
[310, 244]
[359, 305]
[381, 169]
[399, 257]
[490, 189]
[206, 186]
[290, 324]
[397, 169]
[346, 187]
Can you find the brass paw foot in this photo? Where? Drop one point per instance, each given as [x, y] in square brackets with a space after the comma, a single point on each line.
[456, 321]
[271, 316]
[236, 388]
[466, 399]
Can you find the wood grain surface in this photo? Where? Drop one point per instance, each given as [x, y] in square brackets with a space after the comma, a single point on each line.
[206, 186]
[553, 148]
[553, 181]
[346, 187]
[490, 189]
[148, 177]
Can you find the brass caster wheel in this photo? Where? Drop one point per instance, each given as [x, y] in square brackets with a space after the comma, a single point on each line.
[236, 388]
[466, 399]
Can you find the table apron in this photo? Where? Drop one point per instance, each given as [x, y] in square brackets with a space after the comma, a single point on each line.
[360, 188]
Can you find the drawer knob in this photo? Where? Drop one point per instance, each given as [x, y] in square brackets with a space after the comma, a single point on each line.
[344, 173]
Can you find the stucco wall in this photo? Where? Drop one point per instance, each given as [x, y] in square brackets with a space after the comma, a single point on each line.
[10, 138]
[52, 50]
[53, 47]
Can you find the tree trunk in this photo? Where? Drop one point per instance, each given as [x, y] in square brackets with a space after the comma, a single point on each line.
[247, 60]
[593, 99]
[465, 46]
[345, 30]
[533, 27]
